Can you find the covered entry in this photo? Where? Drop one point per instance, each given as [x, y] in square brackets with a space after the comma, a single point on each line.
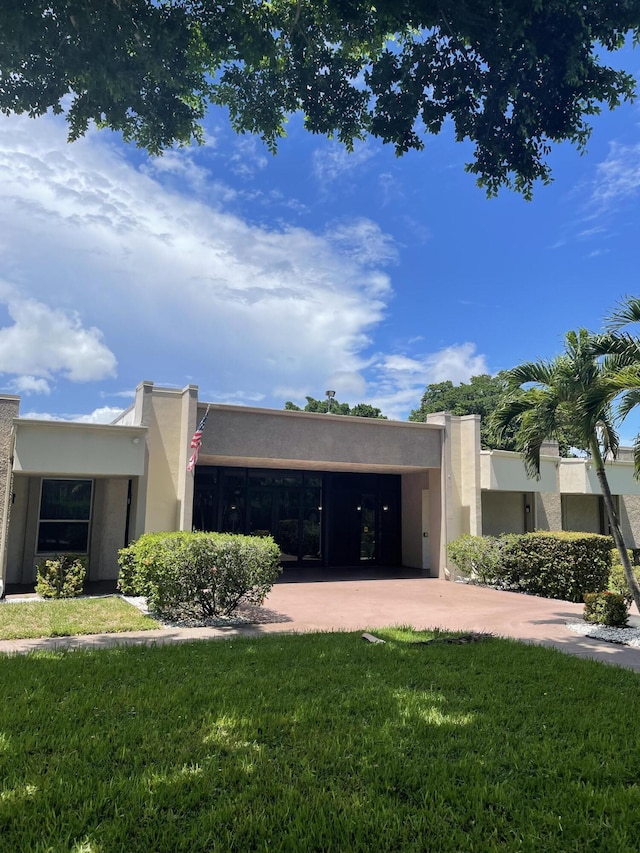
[316, 517]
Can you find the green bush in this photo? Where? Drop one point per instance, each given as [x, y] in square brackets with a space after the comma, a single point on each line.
[199, 574]
[560, 565]
[617, 578]
[554, 565]
[61, 576]
[477, 557]
[606, 608]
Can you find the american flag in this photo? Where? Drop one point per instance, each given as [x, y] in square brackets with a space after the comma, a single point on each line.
[196, 442]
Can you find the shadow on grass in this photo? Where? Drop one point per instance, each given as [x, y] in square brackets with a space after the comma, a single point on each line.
[316, 742]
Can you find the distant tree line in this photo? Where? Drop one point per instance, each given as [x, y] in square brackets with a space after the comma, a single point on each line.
[360, 410]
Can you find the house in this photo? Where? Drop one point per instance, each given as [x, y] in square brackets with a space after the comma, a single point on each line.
[333, 490]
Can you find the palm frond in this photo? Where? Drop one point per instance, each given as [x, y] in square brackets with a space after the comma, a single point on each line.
[627, 311]
[618, 349]
[607, 436]
[538, 424]
[539, 372]
[628, 401]
[636, 457]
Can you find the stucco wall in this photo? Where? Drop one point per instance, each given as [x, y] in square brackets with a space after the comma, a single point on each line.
[9, 408]
[106, 533]
[548, 513]
[581, 512]
[78, 450]
[504, 471]
[413, 486]
[235, 435]
[17, 527]
[630, 520]
[165, 493]
[503, 512]
[107, 528]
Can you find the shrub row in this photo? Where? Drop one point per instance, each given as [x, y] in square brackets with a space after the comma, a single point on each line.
[560, 565]
[199, 574]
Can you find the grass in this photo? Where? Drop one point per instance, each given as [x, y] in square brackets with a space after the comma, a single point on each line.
[318, 743]
[62, 618]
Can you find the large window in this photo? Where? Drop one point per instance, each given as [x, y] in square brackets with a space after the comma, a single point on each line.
[65, 513]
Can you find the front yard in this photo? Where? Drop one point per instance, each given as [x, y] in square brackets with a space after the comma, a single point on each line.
[318, 743]
[66, 617]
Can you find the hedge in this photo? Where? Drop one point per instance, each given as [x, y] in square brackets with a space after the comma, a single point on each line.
[562, 565]
[199, 574]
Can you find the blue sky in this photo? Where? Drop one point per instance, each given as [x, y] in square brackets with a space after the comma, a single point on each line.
[262, 279]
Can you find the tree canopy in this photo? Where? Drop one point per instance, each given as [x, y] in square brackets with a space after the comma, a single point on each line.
[360, 410]
[479, 396]
[513, 77]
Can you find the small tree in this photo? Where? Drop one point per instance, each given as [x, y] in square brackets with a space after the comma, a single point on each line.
[575, 388]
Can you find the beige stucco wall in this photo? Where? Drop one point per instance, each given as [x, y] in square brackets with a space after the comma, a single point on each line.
[504, 471]
[578, 476]
[460, 475]
[164, 495]
[108, 524]
[17, 529]
[581, 512]
[503, 512]
[548, 514]
[9, 408]
[629, 507]
[255, 437]
[106, 532]
[78, 450]
[413, 486]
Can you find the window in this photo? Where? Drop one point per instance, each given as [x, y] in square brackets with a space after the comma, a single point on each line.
[65, 512]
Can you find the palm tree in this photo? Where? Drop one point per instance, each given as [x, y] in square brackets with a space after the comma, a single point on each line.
[575, 390]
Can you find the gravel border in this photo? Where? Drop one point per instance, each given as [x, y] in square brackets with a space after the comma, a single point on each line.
[621, 636]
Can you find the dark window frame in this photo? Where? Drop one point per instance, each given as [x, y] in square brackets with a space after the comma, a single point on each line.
[64, 519]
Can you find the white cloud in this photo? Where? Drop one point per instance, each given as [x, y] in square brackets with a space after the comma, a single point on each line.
[333, 160]
[617, 177]
[43, 341]
[29, 385]
[248, 158]
[185, 292]
[363, 241]
[401, 380]
[174, 285]
[102, 415]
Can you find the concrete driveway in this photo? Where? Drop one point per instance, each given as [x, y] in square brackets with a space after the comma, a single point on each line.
[358, 604]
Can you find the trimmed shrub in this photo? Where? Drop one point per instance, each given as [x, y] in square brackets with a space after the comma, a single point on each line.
[477, 557]
[199, 574]
[61, 576]
[560, 565]
[617, 578]
[606, 608]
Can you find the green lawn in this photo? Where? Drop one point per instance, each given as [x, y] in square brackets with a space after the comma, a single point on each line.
[318, 743]
[62, 618]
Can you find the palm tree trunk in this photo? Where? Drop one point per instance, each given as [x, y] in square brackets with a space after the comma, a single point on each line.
[614, 523]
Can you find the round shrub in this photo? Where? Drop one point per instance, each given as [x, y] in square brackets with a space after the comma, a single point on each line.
[199, 574]
[606, 608]
[61, 577]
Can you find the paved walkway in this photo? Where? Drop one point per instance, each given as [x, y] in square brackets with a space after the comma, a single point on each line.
[354, 605]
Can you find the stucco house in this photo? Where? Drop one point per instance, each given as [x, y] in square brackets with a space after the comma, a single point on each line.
[333, 490]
